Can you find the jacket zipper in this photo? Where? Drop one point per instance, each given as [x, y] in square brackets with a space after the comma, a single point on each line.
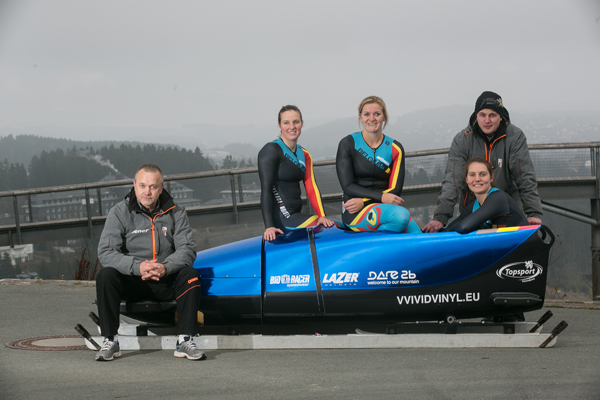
[488, 154]
[153, 230]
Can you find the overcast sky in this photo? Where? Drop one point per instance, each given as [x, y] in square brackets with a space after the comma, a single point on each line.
[148, 63]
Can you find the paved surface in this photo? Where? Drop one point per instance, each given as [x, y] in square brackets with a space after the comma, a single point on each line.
[569, 370]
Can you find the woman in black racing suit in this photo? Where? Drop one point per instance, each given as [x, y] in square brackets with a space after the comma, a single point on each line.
[487, 207]
[282, 164]
[370, 168]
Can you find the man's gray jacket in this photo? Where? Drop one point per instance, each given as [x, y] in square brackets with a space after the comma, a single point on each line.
[508, 154]
[131, 236]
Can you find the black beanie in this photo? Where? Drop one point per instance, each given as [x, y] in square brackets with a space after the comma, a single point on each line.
[491, 101]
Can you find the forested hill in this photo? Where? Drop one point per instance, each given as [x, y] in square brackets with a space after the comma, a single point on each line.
[22, 148]
[88, 164]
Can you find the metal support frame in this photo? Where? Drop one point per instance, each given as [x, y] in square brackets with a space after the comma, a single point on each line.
[17, 222]
[136, 336]
[234, 199]
[239, 181]
[595, 159]
[88, 208]
[99, 201]
[565, 212]
[595, 248]
[595, 229]
[30, 208]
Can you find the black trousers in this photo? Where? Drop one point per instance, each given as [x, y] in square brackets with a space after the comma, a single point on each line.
[112, 287]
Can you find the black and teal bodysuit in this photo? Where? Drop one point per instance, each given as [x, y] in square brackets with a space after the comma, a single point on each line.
[280, 171]
[368, 173]
[497, 211]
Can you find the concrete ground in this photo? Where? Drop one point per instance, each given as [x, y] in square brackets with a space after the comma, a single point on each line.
[569, 370]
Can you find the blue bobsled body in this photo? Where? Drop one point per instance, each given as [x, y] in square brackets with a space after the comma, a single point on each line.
[333, 274]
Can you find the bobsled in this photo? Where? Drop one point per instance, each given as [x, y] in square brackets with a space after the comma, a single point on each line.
[333, 276]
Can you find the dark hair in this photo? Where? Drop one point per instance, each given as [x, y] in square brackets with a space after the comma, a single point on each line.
[289, 107]
[371, 100]
[149, 168]
[479, 160]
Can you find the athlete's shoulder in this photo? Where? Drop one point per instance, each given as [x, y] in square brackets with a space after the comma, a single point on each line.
[271, 146]
[465, 138]
[353, 137]
[514, 133]
[465, 133]
[303, 149]
[396, 143]
[513, 129]
[497, 195]
[496, 191]
[271, 149]
[348, 141]
[122, 207]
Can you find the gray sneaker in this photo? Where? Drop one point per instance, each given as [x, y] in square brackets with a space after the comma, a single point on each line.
[109, 350]
[190, 350]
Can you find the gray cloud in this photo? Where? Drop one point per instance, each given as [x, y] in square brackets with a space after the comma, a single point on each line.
[163, 64]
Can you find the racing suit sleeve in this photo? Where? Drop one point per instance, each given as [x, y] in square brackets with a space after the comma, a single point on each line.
[344, 165]
[397, 172]
[310, 184]
[110, 246]
[454, 176]
[183, 243]
[523, 174]
[268, 166]
[494, 205]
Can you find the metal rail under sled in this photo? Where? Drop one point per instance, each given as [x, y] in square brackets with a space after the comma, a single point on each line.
[134, 336]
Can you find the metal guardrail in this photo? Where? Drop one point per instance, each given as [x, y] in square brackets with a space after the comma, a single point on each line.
[235, 180]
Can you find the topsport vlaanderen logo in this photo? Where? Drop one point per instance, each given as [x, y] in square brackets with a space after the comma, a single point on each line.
[525, 271]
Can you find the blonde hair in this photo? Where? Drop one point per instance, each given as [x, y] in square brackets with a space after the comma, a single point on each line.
[371, 100]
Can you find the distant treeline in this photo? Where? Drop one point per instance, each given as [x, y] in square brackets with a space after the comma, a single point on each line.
[13, 176]
[22, 148]
[81, 165]
[60, 167]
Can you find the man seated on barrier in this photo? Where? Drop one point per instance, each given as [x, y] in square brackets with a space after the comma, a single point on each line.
[489, 135]
[147, 251]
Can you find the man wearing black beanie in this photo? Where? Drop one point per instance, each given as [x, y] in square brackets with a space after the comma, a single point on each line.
[489, 135]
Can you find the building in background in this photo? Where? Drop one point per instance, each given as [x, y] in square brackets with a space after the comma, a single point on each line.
[72, 204]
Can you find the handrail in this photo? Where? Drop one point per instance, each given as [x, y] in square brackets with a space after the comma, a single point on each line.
[236, 171]
[593, 146]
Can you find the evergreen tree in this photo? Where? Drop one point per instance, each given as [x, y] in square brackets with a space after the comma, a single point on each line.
[438, 174]
[58, 167]
[420, 177]
[229, 162]
[17, 177]
[4, 176]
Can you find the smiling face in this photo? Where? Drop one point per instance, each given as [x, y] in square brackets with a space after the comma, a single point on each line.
[291, 126]
[488, 121]
[148, 186]
[372, 118]
[479, 178]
